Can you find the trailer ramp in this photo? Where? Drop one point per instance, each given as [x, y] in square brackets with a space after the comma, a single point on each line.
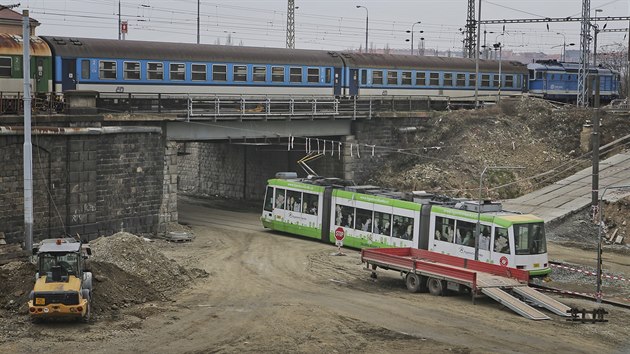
[543, 300]
[514, 304]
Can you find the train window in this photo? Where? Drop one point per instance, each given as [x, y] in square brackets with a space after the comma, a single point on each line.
[403, 227]
[310, 204]
[5, 67]
[219, 72]
[240, 73]
[501, 240]
[364, 220]
[448, 79]
[198, 72]
[107, 70]
[295, 74]
[280, 198]
[444, 229]
[539, 75]
[532, 75]
[552, 76]
[382, 223]
[260, 73]
[392, 77]
[277, 74]
[472, 80]
[464, 233]
[364, 77]
[294, 201]
[461, 80]
[509, 80]
[434, 79]
[85, 69]
[405, 78]
[495, 80]
[268, 206]
[377, 77]
[344, 216]
[421, 78]
[177, 71]
[485, 80]
[312, 75]
[131, 70]
[155, 71]
[328, 75]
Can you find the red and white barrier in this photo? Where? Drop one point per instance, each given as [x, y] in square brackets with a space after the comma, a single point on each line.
[588, 272]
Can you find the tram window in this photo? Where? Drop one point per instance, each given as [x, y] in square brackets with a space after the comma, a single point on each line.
[377, 77]
[280, 198]
[464, 233]
[107, 70]
[312, 75]
[392, 77]
[472, 80]
[85, 69]
[344, 216]
[268, 206]
[198, 72]
[219, 72]
[259, 73]
[509, 81]
[421, 78]
[382, 223]
[448, 79]
[294, 201]
[403, 227]
[461, 80]
[434, 79]
[5, 67]
[406, 78]
[484, 237]
[277, 74]
[328, 75]
[485, 80]
[444, 229]
[310, 204]
[177, 71]
[240, 73]
[501, 240]
[363, 77]
[364, 220]
[529, 239]
[131, 70]
[295, 74]
[155, 71]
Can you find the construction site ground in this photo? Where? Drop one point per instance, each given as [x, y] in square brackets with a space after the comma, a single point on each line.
[238, 288]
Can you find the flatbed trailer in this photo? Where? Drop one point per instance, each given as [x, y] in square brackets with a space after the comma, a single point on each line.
[436, 273]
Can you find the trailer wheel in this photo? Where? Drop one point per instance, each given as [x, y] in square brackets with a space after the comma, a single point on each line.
[436, 286]
[413, 282]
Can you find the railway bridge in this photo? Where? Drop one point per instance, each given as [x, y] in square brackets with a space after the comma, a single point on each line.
[109, 163]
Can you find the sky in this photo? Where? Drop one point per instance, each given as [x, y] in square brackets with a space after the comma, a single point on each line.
[326, 24]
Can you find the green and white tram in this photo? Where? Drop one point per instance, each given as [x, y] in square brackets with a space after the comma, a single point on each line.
[368, 216]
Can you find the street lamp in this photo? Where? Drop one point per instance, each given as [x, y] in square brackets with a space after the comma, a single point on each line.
[367, 14]
[498, 45]
[478, 228]
[485, 48]
[412, 35]
[599, 241]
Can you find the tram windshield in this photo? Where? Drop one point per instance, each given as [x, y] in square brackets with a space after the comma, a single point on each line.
[530, 238]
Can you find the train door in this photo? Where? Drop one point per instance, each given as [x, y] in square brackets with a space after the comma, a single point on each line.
[68, 73]
[337, 81]
[38, 70]
[354, 82]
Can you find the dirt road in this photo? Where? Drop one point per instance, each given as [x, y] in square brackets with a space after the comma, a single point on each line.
[268, 292]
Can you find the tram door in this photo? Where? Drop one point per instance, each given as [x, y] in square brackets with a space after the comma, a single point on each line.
[68, 72]
[354, 82]
[337, 81]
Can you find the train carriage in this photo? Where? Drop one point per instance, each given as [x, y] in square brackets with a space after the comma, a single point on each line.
[11, 68]
[369, 217]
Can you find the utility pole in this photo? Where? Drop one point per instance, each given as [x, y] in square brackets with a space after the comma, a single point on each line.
[469, 40]
[477, 57]
[291, 24]
[595, 142]
[582, 95]
[119, 21]
[198, 8]
[28, 147]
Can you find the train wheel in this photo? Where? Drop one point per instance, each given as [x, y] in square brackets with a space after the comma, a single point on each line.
[436, 286]
[413, 282]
